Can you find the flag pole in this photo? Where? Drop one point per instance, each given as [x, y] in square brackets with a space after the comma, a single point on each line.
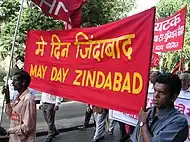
[11, 54]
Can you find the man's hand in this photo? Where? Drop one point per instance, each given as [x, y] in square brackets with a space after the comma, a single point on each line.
[3, 132]
[40, 107]
[143, 116]
[56, 108]
[5, 91]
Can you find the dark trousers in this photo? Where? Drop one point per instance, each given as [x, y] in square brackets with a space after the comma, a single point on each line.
[49, 116]
[123, 134]
[87, 117]
[124, 137]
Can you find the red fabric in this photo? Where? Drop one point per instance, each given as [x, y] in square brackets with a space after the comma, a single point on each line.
[71, 14]
[169, 32]
[177, 66]
[155, 60]
[116, 57]
[76, 18]
[128, 129]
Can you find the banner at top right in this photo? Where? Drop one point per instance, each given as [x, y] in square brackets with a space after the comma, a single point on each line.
[169, 32]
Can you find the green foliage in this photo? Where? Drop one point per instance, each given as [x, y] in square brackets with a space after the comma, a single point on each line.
[32, 18]
[99, 12]
[95, 12]
[167, 8]
[2, 75]
[9, 9]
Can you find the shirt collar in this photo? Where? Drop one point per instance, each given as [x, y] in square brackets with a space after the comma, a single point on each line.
[188, 90]
[163, 112]
[23, 95]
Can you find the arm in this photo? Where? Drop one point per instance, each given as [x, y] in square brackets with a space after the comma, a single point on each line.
[8, 107]
[28, 118]
[88, 107]
[56, 108]
[57, 101]
[175, 131]
[8, 110]
[145, 133]
[144, 129]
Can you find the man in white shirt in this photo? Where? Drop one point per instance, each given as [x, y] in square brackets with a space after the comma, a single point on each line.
[153, 76]
[49, 105]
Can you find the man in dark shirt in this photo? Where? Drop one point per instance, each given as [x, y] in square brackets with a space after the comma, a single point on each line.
[162, 123]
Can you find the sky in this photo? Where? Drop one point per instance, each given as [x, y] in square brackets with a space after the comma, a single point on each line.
[143, 5]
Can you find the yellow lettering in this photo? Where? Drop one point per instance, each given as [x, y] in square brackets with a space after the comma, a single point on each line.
[59, 75]
[83, 78]
[90, 78]
[126, 84]
[76, 82]
[44, 71]
[108, 82]
[65, 72]
[100, 79]
[38, 71]
[41, 47]
[117, 81]
[136, 76]
[33, 70]
[53, 73]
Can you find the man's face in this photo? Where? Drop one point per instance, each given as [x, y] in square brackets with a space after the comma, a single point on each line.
[153, 77]
[184, 83]
[162, 97]
[17, 84]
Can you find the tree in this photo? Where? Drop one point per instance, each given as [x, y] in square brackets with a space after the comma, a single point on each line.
[99, 12]
[166, 8]
[32, 18]
[95, 12]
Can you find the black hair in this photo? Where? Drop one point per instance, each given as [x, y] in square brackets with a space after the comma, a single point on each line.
[187, 71]
[158, 73]
[23, 76]
[171, 80]
[21, 58]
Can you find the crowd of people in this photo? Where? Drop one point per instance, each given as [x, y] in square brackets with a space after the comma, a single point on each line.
[160, 123]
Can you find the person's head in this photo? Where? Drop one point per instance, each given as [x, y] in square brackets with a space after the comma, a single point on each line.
[185, 81]
[187, 71]
[166, 90]
[21, 81]
[153, 76]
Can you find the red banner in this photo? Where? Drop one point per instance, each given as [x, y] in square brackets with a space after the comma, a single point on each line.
[65, 10]
[155, 60]
[107, 66]
[179, 66]
[169, 32]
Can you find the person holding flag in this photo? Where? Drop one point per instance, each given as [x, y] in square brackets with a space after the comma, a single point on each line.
[162, 122]
[22, 111]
